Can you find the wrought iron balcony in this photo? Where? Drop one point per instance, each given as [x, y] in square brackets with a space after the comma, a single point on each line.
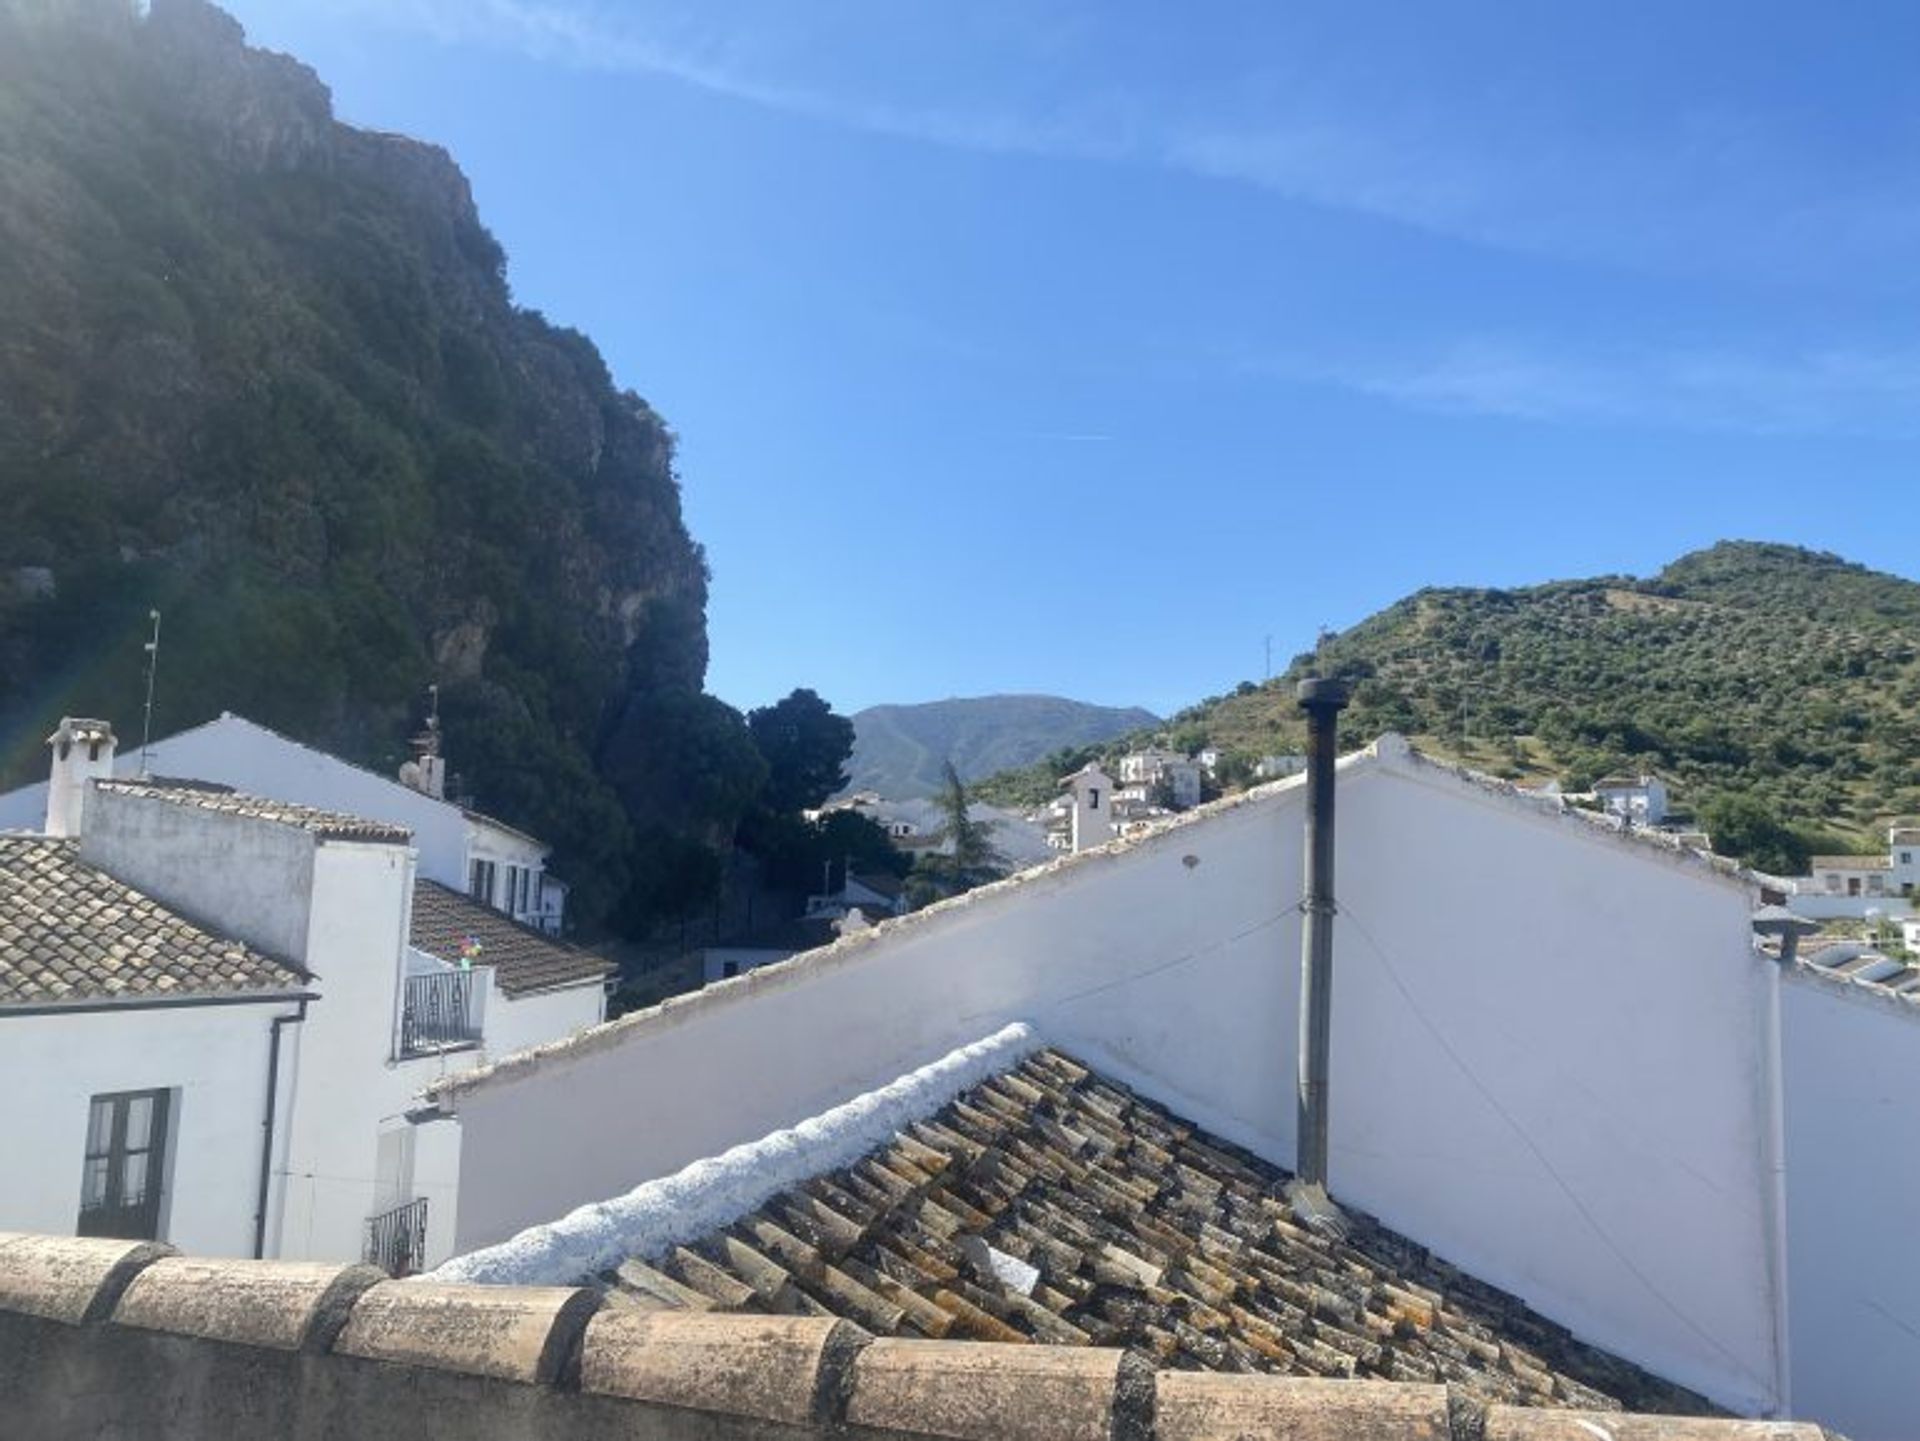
[397, 1239]
[440, 1010]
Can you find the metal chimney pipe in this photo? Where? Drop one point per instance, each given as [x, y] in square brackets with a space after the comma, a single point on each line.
[1322, 700]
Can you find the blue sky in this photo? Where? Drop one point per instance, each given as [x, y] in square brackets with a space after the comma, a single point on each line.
[1080, 345]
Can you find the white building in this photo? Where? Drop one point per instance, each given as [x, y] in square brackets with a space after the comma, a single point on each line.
[1142, 771]
[1861, 885]
[1090, 808]
[1613, 1107]
[1273, 768]
[872, 895]
[217, 1010]
[1587, 1083]
[484, 857]
[1637, 800]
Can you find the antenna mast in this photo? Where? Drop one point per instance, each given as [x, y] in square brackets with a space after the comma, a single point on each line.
[153, 665]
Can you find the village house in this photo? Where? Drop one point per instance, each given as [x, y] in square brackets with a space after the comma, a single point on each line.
[1273, 768]
[1586, 1161]
[216, 1010]
[1634, 800]
[1165, 968]
[1117, 1075]
[1145, 771]
[458, 847]
[1089, 807]
[1854, 886]
[873, 895]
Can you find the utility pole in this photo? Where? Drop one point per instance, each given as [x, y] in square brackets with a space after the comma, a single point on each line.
[1269, 655]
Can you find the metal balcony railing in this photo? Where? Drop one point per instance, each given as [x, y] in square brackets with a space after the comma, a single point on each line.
[439, 1010]
[397, 1239]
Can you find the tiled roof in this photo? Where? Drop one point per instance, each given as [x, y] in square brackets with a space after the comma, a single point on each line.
[1051, 1205]
[1852, 863]
[70, 933]
[522, 959]
[880, 883]
[482, 818]
[206, 796]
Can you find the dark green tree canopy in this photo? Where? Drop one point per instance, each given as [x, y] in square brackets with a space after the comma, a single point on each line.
[1748, 830]
[806, 748]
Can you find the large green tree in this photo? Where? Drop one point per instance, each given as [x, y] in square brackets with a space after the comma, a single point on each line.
[806, 748]
[1748, 830]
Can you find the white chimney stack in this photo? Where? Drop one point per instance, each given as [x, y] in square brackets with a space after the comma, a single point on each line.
[427, 771]
[1092, 793]
[82, 752]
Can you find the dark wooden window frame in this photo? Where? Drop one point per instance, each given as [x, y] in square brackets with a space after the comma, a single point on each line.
[107, 1152]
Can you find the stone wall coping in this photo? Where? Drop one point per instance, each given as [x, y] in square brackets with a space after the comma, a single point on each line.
[282, 1305]
[511, 1333]
[1212, 1406]
[740, 1374]
[784, 1369]
[74, 1279]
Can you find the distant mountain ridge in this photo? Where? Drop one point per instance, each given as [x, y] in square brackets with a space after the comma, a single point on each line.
[901, 750]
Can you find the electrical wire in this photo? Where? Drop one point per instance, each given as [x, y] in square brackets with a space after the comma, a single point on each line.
[1566, 1189]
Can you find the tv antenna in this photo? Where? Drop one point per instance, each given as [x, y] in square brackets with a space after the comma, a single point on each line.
[153, 664]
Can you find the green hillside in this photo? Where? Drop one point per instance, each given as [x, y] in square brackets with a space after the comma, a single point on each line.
[263, 371]
[899, 750]
[1784, 675]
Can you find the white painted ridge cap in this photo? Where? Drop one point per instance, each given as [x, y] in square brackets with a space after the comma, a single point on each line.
[1396, 755]
[702, 1197]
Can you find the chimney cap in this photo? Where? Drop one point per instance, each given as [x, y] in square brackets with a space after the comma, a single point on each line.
[1779, 921]
[1324, 693]
[80, 729]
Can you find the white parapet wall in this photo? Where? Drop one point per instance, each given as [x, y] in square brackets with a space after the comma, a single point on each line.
[1549, 1060]
[1853, 1184]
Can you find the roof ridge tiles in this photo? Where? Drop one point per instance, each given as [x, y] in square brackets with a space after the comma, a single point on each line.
[326, 825]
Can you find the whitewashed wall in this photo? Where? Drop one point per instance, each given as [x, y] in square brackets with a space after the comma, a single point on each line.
[1818, 906]
[1553, 1068]
[347, 1079]
[1853, 1191]
[214, 1058]
[235, 752]
[251, 758]
[515, 1022]
[1546, 1063]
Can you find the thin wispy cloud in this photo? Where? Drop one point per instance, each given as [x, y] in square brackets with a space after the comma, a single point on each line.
[695, 53]
[1823, 392]
[1712, 188]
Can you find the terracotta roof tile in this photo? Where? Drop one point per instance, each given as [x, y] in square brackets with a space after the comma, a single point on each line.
[1050, 1205]
[69, 932]
[522, 958]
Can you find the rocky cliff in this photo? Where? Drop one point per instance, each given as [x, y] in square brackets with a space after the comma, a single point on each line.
[263, 371]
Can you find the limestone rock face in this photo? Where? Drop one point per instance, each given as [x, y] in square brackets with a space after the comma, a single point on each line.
[263, 371]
